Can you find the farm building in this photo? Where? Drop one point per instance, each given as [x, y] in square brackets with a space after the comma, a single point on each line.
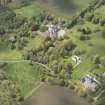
[55, 31]
[90, 83]
[76, 59]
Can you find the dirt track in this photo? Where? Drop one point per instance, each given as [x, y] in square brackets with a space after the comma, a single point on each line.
[54, 95]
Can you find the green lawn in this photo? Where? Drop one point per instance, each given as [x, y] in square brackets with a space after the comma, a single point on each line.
[25, 76]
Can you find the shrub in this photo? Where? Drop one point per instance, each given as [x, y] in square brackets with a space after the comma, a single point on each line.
[102, 22]
[80, 90]
[95, 20]
[9, 94]
[81, 93]
[84, 30]
[79, 52]
[2, 31]
[97, 59]
[84, 37]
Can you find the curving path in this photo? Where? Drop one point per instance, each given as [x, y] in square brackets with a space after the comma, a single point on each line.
[13, 61]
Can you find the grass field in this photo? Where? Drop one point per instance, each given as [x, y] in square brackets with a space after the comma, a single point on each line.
[25, 76]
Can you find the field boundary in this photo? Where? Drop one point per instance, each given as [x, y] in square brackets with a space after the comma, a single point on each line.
[23, 61]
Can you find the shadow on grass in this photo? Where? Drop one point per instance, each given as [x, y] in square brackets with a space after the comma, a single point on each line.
[66, 5]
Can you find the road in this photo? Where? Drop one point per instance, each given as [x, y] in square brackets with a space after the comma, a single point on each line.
[32, 91]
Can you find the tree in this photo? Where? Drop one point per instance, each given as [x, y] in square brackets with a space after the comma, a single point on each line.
[4, 2]
[21, 43]
[71, 23]
[95, 20]
[102, 22]
[9, 94]
[2, 31]
[84, 37]
[84, 30]
[65, 48]
[47, 45]
[102, 61]
[97, 59]
[103, 33]
[89, 16]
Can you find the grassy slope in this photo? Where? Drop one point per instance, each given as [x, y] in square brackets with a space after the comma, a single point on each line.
[99, 48]
[56, 7]
[25, 76]
[87, 65]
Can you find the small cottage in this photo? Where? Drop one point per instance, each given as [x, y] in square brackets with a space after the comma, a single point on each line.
[76, 59]
[90, 83]
[55, 31]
